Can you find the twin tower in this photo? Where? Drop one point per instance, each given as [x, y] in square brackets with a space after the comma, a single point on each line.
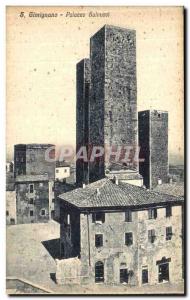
[107, 104]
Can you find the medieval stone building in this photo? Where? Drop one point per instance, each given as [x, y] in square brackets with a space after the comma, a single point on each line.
[34, 183]
[153, 142]
[119, 233]
[107, 103]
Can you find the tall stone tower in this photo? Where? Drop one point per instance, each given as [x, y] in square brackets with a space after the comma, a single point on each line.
[82, 117]
[113, 97]
[153, 142]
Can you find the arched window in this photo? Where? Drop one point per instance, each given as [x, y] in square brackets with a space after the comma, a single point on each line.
[99, 272]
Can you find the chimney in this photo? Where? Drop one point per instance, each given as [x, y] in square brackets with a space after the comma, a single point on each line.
[98, 191]
[83, 185]
[116, 180]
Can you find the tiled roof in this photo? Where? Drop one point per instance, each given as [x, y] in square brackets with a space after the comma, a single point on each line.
[175, 189]
[105, 193]
[28, 178]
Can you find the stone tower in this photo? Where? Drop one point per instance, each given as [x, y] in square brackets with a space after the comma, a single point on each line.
[113, 97]
[82, 117]
[153, 142]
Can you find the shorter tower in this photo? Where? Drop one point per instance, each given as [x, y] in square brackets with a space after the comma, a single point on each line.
[153, 142]
[30, 159]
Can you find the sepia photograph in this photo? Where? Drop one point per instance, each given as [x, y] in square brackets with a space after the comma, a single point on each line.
[95, 201]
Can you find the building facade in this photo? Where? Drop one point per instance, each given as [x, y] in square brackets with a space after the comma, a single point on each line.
[62, 171]
[30, 159]
[153, 142]
[34, 198]
[117, 234]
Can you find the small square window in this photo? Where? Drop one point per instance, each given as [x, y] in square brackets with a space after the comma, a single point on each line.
[168, 233]
[43, 212]
[7, 213]
[31, 213]
[152, 213]
[98, 240]
[151, 236]
[98, 217]
[65, 170]
[57, 171]
[129, 238]
[53, 200]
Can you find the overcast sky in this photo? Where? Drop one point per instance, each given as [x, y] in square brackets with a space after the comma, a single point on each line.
[41, 69]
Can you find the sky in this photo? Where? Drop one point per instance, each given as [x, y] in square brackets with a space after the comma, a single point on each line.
[42, 54]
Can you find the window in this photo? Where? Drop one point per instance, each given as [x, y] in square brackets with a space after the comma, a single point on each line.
[31, 201]
[98, 217]
[7, 213]
[68, 219]
[128, 216]
[41, 184]
[99, 272]
[168, 233]
[31, 188]
[31, 213]
[151, 235]
[98, 240]
[168, 211]
[65, 170]
[129, 238]
[152, 213]
[57, 171]
[43, 212]
[144, 275]
[53, 200]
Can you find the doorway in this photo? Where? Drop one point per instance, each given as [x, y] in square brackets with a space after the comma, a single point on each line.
[163, 272]
[124, 275]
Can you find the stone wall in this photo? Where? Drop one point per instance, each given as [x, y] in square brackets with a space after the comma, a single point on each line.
[11, 218]
[113, 101]
[30, 159]
[82, 117]
[159, 147]
[115, 253]
[153, 141]
[69, 231]
[40, 198]
[144, 144]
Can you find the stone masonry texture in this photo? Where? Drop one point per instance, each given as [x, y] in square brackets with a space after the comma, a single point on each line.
[82, 117]
[113, 98]
[29, 159]
[153, 141]
[114, 253]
